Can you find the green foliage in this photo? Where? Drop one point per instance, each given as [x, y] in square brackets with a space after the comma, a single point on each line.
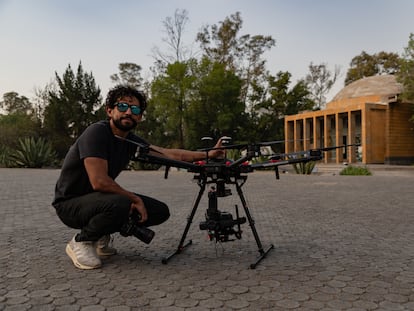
[275, 99]
[304, 168]
[32, 153]
[5, 153]
[366, 65]
[72, 107]
[143, 166]
[233, 154]
[355, 171]
[129, 73]
[406, 74]
[216, 109]
[171, 93]
[13, 103]
[14, 126]
[242, 54]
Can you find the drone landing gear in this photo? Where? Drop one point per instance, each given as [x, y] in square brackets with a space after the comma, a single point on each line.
[219, 235]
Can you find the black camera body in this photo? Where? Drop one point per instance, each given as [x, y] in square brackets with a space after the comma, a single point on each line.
[220, 225]
[132, 227]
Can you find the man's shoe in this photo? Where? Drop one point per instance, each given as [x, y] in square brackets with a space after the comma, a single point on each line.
[83, 254]
[103, 248]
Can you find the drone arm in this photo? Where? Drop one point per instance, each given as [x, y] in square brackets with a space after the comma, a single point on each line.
[252, 152]
[314, 155]
[166, 161]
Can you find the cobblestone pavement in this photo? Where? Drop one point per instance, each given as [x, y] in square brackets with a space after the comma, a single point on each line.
[340, 243]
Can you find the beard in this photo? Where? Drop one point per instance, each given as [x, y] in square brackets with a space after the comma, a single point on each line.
[125, 127]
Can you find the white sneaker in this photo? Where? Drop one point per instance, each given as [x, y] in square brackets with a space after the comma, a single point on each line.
[103, 248]
[83, 254]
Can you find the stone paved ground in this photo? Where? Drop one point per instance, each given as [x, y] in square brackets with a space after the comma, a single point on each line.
[341, 243]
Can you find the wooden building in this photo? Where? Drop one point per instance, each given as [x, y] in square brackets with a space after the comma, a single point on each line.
[368, 111]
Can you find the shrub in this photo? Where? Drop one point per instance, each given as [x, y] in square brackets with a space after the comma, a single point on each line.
[5, 153]
[355, 171]
[32, 153]
[142, 166]
[304, 168]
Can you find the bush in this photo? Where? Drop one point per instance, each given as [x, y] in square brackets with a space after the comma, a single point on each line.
[32, 153]
[5, 153]
[355, 171]
[142, 166]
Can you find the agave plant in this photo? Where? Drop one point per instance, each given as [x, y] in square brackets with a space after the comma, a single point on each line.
[304, 168]
[33, 153]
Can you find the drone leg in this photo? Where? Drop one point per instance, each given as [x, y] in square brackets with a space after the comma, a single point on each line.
[262, 252]
[190, 218]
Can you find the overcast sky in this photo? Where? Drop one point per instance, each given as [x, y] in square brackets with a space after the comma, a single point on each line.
[41, 37]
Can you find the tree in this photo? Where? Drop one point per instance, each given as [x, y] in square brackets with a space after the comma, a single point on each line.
[366, 65]
[406, 74]
[19, 122]
[275, 100]
[15, 126]
[171, 93]
[216, 109]
[41, 99]
[71, 108]
[240, 54]
[129, 73]
[13, 103]
[177, 51]
[320, 81]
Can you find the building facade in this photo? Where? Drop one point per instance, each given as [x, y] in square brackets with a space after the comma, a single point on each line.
[366, 112]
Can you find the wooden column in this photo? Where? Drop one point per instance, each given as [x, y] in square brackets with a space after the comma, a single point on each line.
[326, 134]
[339, 127]
[351, 137]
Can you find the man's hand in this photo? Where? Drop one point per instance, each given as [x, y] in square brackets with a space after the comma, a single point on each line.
[217, 152]
[139, 206]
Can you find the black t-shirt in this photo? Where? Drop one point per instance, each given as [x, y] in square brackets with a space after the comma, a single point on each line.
[96, 141]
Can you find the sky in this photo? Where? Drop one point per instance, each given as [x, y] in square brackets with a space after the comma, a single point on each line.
[39, 38]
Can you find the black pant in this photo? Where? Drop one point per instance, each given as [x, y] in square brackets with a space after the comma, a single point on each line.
[98, 214]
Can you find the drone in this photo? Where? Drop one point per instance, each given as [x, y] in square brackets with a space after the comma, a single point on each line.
[221, 226]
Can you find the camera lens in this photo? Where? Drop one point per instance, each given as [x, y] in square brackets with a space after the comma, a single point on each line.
[144, 234]
[140, 232]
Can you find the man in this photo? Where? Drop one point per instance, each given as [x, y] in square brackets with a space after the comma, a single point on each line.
[88, 198]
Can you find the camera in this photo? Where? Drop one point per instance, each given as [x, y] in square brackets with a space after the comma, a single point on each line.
[132, 227]
[220, 225]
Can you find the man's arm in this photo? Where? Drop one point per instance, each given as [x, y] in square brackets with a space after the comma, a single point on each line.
[189, 156]
[97, 170]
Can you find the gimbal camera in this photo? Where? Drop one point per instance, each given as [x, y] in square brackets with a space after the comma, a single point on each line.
[221, 225]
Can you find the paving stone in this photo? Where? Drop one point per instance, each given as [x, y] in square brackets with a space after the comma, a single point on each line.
[336, 247]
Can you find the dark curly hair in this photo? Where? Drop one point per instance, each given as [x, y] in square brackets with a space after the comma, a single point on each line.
[125, 91]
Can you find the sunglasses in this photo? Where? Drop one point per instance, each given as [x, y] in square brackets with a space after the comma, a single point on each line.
[122, 107]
